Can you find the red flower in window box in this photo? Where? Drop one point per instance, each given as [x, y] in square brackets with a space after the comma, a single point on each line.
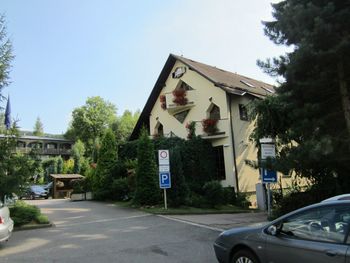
[191, 128]
[162, 100]
[209, 126]
[180, 96]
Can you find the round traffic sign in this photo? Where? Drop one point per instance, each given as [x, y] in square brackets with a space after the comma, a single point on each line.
[163, 154]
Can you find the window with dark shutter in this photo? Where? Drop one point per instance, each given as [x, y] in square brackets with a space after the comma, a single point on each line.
[220, 162]
[243, 113]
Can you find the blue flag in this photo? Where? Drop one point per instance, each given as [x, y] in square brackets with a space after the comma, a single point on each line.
[8, 114]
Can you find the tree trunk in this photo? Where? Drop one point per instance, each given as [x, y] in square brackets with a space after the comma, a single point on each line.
[344, 95]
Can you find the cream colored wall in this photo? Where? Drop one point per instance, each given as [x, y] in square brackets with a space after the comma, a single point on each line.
[245, 149]
[203, 91]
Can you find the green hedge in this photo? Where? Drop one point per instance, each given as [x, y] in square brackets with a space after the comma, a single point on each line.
[23, 213]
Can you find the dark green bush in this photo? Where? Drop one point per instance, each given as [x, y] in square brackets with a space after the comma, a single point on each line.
[77, 186]
[178, 193]
[128, 150]
[197, 200]
[296, 200]
[147, 188]
[213, 192]
[242, 200]
[22, 213]
[198, 163]
[120, 189]
[229, 195]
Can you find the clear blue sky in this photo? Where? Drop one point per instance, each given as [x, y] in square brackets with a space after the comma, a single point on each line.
[68, 50]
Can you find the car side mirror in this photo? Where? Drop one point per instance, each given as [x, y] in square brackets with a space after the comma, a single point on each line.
[272, 230]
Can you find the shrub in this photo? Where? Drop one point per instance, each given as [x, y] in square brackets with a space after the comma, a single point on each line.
[197, 200]
[106, 163]
[296, 200]
[147, 190]
[213, 193]
[120, 189]
[78, 186]
[42, 219]
[229, 195]
[198, 162]
[178, 193]
[242, 200]
[22, 213]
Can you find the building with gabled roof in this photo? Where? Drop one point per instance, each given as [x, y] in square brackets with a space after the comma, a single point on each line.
[215, 100]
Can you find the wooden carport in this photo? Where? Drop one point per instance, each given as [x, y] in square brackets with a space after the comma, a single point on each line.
[61, 184]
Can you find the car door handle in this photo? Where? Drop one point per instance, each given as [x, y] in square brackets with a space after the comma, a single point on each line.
[331, 253]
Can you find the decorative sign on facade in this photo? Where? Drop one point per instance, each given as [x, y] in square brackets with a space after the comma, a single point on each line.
[178, 72]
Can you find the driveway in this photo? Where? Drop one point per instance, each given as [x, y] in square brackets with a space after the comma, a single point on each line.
[222, 222]
[99, 232]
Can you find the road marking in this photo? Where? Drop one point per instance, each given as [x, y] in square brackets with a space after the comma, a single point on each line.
[102, 221]
[192, 224]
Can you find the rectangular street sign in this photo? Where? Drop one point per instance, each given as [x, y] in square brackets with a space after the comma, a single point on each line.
[268, 150]
[269, 176]
[164, 180]
[164, 168]
[163, 157]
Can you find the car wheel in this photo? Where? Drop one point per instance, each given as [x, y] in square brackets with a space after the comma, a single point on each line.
[244, 256]
[32, 196]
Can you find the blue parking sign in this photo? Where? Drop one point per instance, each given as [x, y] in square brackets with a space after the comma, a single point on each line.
[268, 176]
[164, 180]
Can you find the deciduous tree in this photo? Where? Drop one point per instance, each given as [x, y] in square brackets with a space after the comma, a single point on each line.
[125, 124]
[90, 121]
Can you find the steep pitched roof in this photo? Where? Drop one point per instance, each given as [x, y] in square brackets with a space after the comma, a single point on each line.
[230, 82]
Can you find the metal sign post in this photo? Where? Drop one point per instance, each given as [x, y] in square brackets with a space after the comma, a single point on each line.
[165, 201]
[268, 200]
[164, 173]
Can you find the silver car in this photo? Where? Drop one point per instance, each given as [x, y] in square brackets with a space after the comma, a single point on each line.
[6, 223]
[316, 233]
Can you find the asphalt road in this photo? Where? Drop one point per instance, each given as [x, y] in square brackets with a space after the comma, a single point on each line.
[99, 232]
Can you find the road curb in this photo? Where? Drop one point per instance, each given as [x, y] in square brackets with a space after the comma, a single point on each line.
[32, 227]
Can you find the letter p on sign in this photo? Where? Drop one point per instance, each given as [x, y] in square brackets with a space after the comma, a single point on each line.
[164, 180]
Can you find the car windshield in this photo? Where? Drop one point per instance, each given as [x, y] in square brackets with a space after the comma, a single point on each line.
[37, 188]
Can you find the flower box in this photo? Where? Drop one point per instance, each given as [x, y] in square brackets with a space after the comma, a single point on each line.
[179, 96]
[209, 126]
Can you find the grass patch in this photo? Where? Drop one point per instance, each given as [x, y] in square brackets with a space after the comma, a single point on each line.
[42, 219]
[186, 210]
